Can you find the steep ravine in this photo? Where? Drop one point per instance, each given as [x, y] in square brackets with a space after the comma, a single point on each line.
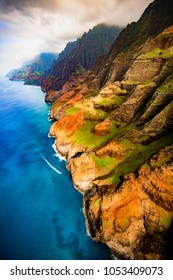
[118, 145]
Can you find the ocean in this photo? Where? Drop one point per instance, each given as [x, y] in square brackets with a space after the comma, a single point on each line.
[41, 215]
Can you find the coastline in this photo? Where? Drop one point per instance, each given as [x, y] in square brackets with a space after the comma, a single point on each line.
[57, 154]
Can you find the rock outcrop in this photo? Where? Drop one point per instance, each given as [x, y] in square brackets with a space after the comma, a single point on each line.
[118, 139]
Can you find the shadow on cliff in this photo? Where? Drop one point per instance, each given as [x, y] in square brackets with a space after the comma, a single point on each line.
[169, 244]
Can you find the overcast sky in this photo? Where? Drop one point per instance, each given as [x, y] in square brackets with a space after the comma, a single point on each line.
[28, 27]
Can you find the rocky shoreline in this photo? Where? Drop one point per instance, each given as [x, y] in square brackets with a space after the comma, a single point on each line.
[118, 145]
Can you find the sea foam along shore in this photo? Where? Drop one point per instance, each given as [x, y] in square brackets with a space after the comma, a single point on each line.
[57, 154]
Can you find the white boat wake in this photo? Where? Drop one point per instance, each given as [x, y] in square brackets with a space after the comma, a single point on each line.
[56, 170]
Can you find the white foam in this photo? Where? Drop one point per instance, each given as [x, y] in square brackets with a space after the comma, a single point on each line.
[50, 136]
[56, 170]
[61, 158]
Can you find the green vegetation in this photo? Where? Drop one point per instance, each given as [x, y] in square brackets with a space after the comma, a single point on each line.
[92, 93]
[72, 110]
[95, 114]
[57, 104]
[85, 135]
[136, 156]
[97, 202]
[125, 222]
[130, 82]
[165, 217]
[157, 52]
[168, 53]
[107, 101]
[102, 162]
[32, 70]
[167, 86]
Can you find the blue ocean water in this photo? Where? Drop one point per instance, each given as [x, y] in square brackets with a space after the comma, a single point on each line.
[40, 212]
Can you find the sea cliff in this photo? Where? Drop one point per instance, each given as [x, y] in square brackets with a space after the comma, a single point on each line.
[114, 126]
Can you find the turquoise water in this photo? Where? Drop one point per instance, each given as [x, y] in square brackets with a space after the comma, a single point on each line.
[40, 212]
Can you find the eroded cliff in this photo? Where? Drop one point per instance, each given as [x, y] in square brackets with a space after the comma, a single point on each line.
[118, 142]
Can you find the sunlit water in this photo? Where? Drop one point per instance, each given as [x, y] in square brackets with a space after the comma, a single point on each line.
[40, 212]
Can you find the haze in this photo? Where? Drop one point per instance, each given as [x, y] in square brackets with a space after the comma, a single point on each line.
[28, 27]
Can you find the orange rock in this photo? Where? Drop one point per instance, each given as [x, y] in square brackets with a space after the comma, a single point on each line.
[102, 128]
[134, 218]
[65, 97]
[75, 98]
[71, 123]
[112, 149]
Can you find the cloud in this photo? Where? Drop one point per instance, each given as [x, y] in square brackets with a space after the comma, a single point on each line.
[32, 26]
[7, 5]
[120, 11]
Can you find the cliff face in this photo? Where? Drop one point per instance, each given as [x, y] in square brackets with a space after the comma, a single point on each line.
[154, 20]
[85, 51]
[118, 140]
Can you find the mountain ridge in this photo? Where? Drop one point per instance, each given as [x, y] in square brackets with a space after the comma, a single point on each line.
[89, 47]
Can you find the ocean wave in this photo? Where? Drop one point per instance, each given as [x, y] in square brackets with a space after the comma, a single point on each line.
[61, 158]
